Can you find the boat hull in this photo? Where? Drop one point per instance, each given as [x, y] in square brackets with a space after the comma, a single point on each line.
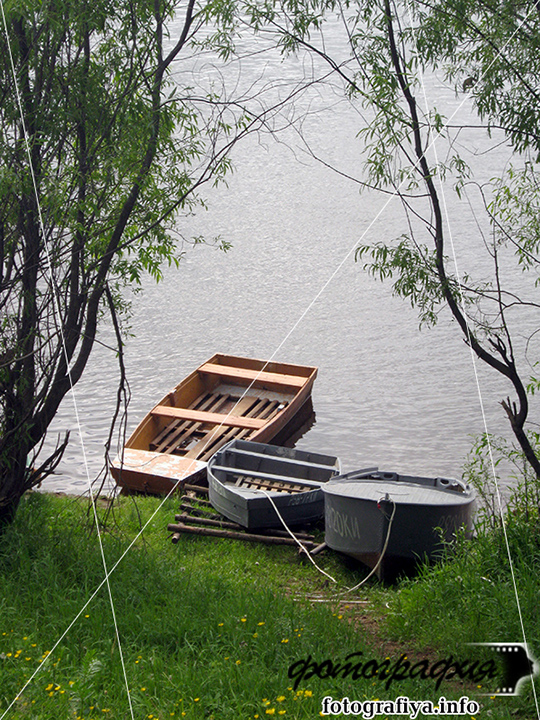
[417, 517]
[239, 472]
[226, 397]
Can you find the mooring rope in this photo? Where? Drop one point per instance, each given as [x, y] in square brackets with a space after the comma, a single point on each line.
[323, 572]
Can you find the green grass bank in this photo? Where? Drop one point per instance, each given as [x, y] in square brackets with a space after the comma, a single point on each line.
[210, 628]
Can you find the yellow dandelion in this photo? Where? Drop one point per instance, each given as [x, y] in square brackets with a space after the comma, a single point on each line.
[220, 624]
[270, 711]
[243, 619]
[285, 640]
[196, 699]
[339, 617]
[281, 698]
[281, 712]
[261, 623]
[238, 662]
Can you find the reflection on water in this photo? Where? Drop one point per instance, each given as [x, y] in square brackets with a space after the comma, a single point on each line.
[386, 394]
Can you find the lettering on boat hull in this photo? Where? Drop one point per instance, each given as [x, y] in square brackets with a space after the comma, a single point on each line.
[343, 524]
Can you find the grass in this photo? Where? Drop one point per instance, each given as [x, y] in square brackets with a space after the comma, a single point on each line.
[209, 629]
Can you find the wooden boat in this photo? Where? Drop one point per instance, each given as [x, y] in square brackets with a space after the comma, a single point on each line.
[226, 397]
[366, 509]
[241, 473]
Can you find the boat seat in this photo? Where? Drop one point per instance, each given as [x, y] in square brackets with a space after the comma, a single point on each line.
[177, 432]
[211, 418]
[248, 407]
[235, 373]
[283, 458]
[266, 476]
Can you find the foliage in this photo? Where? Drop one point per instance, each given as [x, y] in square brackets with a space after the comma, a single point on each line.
[413, 151]
[492, 49]
[489, 458]
[106, 139]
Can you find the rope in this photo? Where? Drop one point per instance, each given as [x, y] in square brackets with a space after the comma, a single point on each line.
[264, 492]
[323, 572]
[379, 561]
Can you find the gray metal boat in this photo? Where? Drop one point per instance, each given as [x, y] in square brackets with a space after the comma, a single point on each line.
[368, 509]
[242, 472]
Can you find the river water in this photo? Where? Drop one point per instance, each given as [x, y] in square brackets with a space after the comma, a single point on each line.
[387, 394]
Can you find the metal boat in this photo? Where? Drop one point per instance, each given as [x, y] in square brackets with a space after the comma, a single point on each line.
[243, 475]
[390, 521]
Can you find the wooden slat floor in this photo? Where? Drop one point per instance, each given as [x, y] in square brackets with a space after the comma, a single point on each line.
[199, 440]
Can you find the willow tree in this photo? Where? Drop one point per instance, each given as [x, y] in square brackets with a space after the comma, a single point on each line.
[100, 151]
[489, 52]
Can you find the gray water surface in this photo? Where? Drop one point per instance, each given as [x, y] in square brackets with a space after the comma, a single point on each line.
[289, 289]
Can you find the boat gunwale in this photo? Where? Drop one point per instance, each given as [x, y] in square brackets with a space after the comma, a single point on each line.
[193, 387]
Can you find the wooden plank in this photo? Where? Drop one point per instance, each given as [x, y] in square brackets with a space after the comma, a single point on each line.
[265, 409]
[209, 417]
[199, 489]
[252, 484]
[318, 549]
[220, 521]
[208, 521]
[197, 512]
[246, 537]
[256, 474]
[176, 427]
[260, 376]
[196, 502]
[186, 429]
[247, 407]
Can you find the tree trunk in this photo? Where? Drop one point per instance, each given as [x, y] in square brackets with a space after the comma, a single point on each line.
[9, 502]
